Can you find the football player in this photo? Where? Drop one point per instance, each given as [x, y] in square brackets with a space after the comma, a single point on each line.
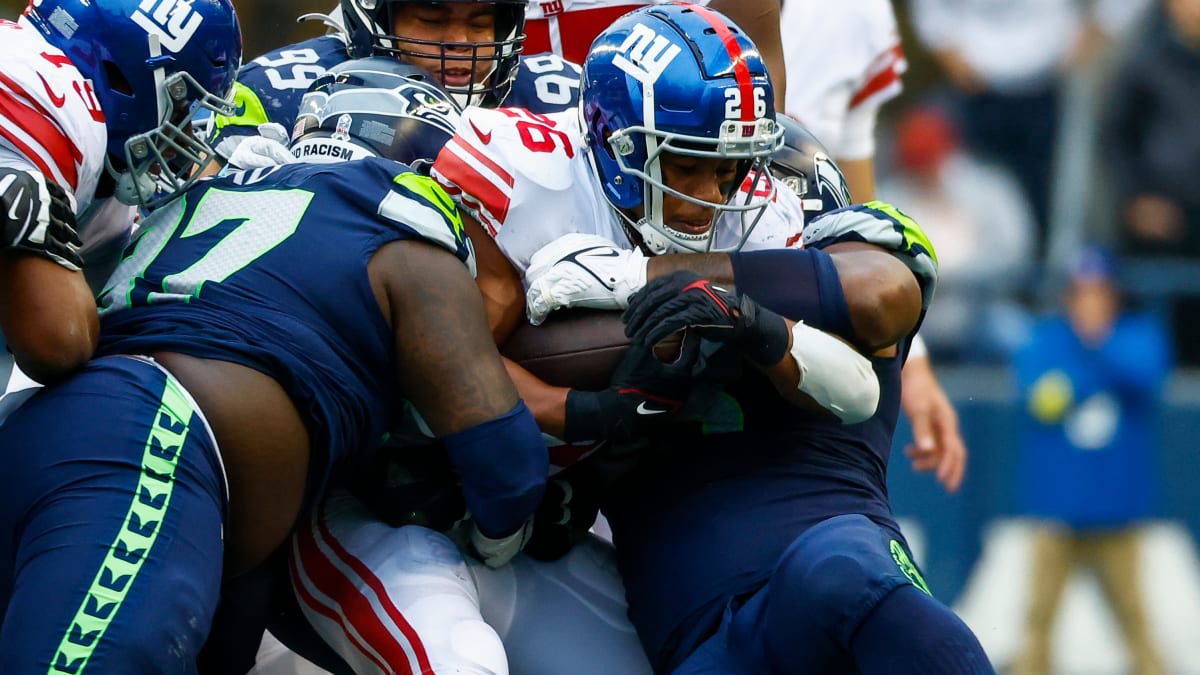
[568, 27]
[823, 580]
[260, 334]
[95, 99]
[471, 47]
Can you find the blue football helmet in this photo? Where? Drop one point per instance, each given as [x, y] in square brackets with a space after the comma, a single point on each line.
[152, 63]
[369, 25]
[804, 166]
[376, 106]
[680, 79]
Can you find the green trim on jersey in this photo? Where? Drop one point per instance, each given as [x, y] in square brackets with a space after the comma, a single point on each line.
[132, 545]
[913, 235]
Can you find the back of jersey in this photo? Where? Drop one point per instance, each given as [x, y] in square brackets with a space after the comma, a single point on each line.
[268, 269]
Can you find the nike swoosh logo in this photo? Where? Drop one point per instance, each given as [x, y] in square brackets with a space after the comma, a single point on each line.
[486, 138]
[56, 99]
[16, 203]
[643, 410]
[592, 253]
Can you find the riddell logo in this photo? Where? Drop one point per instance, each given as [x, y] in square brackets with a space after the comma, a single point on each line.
[173, 21]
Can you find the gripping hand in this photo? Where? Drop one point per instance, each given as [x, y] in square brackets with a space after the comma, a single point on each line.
[682, 300]
[644, 391]
[36, 216]
[581, 270]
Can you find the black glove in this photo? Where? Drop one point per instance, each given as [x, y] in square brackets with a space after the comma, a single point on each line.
[683, 300]
[643, 391]
[37, 217]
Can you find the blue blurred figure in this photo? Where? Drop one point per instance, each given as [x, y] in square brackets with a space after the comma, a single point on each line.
[1090, 381]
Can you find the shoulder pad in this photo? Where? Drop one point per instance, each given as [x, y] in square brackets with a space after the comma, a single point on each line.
[883, 225]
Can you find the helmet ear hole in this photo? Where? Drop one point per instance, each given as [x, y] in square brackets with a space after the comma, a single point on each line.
[116, 79]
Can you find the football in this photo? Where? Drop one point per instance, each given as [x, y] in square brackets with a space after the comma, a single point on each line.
[578, 348]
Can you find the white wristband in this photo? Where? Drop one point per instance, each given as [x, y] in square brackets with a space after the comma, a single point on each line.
[836, 376]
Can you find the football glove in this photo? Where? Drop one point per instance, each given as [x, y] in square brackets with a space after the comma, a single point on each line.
[582, 270]
[36, 216]
[682, 300]
[498, 551]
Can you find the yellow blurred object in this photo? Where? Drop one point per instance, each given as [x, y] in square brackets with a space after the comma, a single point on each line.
[1051, 397]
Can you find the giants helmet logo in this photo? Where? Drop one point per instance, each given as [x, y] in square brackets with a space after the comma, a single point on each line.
[173, 21]
[646, 54]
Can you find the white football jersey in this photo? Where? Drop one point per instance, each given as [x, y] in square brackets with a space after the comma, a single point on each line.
[51, 117]
[843, 62]
[568, 27]
[527, 179]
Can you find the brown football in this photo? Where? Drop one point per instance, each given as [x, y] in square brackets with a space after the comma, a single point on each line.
[578, 348]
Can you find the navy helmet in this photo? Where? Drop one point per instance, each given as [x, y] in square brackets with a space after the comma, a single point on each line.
[804, 166]
[376, 106]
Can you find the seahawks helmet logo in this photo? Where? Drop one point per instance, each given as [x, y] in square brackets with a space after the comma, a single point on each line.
[420, 102]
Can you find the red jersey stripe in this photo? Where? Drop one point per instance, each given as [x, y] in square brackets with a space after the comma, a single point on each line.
[885, 78]
[455, 168]
[40, 126]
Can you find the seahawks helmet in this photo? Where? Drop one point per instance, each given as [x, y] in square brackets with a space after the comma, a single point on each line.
[375, 106]
[152, 64]
[680, 79]
[804, 167]
[370, 28]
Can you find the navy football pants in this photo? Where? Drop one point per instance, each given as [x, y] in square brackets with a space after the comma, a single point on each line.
[111, 506]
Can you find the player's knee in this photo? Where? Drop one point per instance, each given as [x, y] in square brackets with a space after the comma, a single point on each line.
[834, 574]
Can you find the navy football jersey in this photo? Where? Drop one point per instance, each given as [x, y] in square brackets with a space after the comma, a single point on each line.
[270, 87]
[731, 494]
[268, 269]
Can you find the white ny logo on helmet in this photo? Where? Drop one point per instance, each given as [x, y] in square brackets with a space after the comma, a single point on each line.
[646, 54]
[173, 21]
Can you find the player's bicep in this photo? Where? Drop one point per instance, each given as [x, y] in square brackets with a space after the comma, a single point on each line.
[881, 293]
[447, 363]
[498, 281]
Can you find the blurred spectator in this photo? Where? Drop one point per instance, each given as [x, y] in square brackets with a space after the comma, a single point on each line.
[1153, 151]
[982, 226]
[1007, 59]
[1089, 452]
[843, 62]
[1153, 138]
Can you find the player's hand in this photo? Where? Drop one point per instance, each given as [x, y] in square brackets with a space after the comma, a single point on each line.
[683, 300]
[644, 391]
[498, 551]
[36, 216]
[582, 270]
[267, 149]
[561, 521]
[937, 442]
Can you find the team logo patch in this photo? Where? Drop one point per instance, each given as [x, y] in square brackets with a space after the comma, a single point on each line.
[907, 567]
[342, 131]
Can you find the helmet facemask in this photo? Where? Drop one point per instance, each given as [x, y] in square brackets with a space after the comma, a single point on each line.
[751, 143]
[500, 55]
[164, 161]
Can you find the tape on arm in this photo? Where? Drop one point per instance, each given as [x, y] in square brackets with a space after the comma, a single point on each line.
[833, 374]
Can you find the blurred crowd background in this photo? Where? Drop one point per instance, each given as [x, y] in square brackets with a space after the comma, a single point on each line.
[1051, 149]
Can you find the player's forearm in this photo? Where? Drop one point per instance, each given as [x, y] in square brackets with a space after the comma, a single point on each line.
[547, 402]
[48, 316]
